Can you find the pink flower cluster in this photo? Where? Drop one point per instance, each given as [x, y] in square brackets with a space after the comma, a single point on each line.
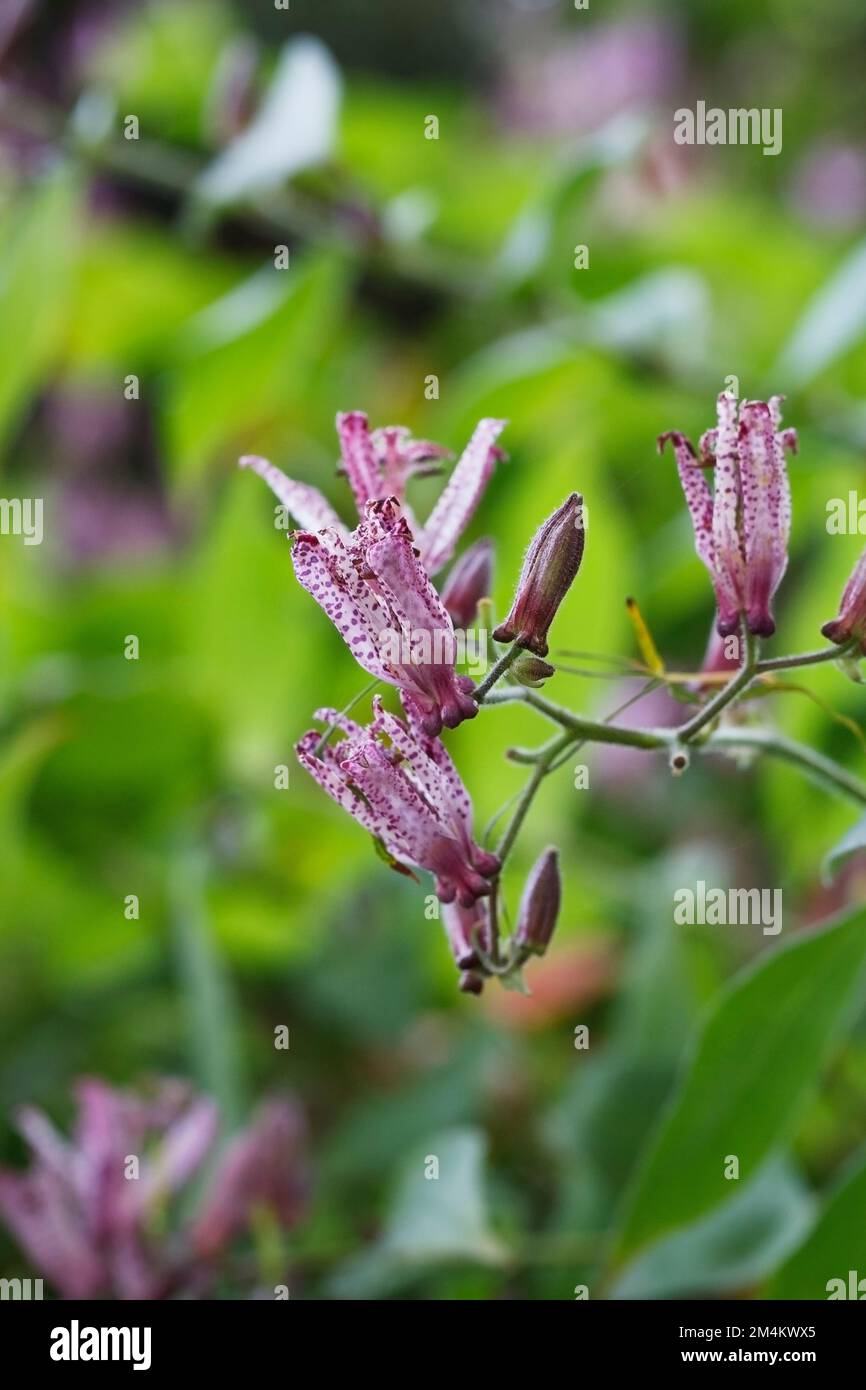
[95, 1214]
[374, 582]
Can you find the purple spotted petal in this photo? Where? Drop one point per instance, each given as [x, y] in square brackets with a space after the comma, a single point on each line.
[457, 503]
[359, 457]
[310, 509]
[327, 570]
[766, 517]
[699, 498]
[727, 541]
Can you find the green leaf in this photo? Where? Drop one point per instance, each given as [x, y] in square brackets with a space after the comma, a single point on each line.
[732, 1247]
[439, 1216]
[225, 389]
[836, 1245]
[38, 248]
[214, 1032]
[834, 320]
[851, 843]
[755, 1062]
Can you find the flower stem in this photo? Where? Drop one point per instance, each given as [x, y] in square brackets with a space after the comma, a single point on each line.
[545, 758]
[812, 764]
[714, 707]
[493, 675]
[589, 729]
[787, 663]
[343, 714]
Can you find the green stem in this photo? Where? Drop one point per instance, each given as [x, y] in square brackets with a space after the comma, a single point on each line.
[714, 707]
[589, 729]
[788, 663]
[342, 714]
[493, 675]
[813, 765]
[544, 760]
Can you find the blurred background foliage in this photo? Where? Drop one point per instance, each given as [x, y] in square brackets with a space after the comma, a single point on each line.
[153, 258]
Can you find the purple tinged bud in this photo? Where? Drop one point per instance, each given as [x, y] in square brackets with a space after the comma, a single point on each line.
[470, 983]
[551, 564]
[532, 671]
[470, 581]
[851, 621]
[539, 906]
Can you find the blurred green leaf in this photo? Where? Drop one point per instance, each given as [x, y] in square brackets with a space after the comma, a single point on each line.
[439, 1216]
[39, 246]
[732, 1247]
[227, 389]
[833, 321]
[214, 1036]
[755, 1061]
[836, 1245]
[851, 843]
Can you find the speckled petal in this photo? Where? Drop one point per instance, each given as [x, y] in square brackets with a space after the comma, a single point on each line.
[766, 512]
[359, 457]
[729, 564]
[330, 775]
[424, 626]
[310, 509]
[457, 503]
[327, 571]
[404, 821]
[699, 498]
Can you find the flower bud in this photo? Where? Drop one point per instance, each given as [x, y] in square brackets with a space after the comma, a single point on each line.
[551, 563]
[851, 621]
[532, 671]
[539, 906]
[470, 581]
[470, 983]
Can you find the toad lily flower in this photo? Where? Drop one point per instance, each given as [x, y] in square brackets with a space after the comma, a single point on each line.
[407, 794]
[742, 527]
[378, 465]
[90, 1211]
[377, 594]
[851, 621]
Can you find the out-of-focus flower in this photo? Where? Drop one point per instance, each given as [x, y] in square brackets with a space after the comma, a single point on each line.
[262, 1167]
[111, 501]
[830, 185]
[742, 528]
[577, 84]
[623, 774]
[469, 582]
[377, 594]
[13, 13]
[539, 906]
[551, 564]
[408, 795]
[851, 621]
[93, 1213]
[378, 465]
